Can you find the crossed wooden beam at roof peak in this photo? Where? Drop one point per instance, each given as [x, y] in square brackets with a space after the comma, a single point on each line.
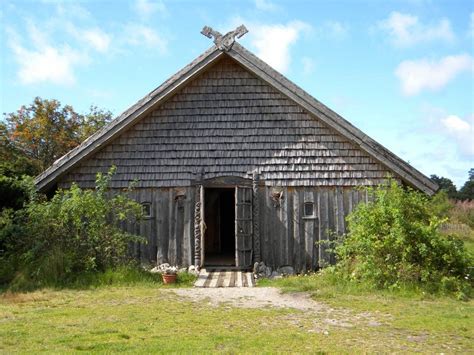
[224, 42]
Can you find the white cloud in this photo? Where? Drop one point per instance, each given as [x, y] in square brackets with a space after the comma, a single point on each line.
[147, 8]
[265, 5]
[92, 37]
[98, 39]
[44, 62]
[406, 30]
[47, 64]
[138, 34]
[308, 65]
[273, 42]
[335, 29]
[419, 75]
[462, 131]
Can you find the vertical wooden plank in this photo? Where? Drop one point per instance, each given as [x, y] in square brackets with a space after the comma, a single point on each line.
[256, 218]
[243, 226]
[269, 229]
[283, 230]
[309, 233]
[179, 231]
[350, 201]
[186, 240]
[341, 222]
[172, 233]
[162, 225]
[296, 231]
[152, 240]
[332, 222]
[289, 226]
[316, 199]
[323, 226]
[197, 226]
[302, 239]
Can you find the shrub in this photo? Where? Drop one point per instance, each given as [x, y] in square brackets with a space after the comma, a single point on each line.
[395, 240]
[77, 231]
[14, 191]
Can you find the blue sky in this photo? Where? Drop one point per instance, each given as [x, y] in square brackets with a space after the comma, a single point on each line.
[401, 71]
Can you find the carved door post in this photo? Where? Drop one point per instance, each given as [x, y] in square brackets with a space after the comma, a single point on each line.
[256, 219]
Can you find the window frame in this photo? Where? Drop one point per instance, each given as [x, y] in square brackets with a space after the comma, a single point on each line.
[149, 206]
[313, 210]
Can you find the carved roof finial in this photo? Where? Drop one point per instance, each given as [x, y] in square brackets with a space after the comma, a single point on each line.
[224, 42]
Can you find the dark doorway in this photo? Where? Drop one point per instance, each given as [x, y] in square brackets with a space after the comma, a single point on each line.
[219, 238]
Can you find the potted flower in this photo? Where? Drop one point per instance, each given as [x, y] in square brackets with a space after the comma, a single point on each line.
[169, 275]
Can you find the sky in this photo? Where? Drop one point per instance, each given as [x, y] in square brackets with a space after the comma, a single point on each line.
[401, 71]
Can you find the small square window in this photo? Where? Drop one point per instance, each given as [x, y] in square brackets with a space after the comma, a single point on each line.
[308, 209]
[146, 210]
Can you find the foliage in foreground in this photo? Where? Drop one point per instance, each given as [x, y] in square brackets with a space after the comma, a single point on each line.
[77, 231]
[395, 239]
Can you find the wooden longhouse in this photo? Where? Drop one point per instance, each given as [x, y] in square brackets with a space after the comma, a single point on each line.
[235, 164]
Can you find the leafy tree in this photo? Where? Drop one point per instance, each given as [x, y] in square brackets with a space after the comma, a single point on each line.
[38, 134]
[446, 185]
[467, 191]
[395, 240]
[93, 121]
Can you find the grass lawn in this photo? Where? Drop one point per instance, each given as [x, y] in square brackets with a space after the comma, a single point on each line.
[149, 317]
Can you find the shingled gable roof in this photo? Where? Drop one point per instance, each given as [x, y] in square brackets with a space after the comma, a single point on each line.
[400, 168]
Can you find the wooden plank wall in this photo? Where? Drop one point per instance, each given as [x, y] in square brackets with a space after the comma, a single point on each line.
[170, 230]
[287, 237]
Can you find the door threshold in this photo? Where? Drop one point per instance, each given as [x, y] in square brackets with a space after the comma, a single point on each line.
[224, 268]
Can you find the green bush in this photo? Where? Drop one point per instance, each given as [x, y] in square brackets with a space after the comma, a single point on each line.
[395, 240]
[77, 231]
[14, 191]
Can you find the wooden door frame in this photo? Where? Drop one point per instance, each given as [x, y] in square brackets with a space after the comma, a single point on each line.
[199, 210]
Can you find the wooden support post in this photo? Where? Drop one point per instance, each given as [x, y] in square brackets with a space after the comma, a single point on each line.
[256, 219]
[197, 228]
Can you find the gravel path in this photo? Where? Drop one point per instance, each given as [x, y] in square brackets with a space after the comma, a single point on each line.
[251, 297]
[321, 315]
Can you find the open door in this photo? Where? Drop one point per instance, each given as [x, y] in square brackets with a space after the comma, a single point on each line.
[202, 225]
[243, 227]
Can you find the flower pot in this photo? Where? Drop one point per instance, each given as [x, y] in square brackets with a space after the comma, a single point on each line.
[169, 278]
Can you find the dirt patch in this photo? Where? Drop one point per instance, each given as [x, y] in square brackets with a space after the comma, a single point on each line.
[313, 315]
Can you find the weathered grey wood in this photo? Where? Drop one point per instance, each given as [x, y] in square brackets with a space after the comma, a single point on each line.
[230, 133]
[323, 226]
[217, 123]
[198, 212]
[283, 230]
[289, 226]
[317, 233]
[296, 231]
[243, 227]
[186, 246]
[256, 218]
[162, 210]
[309, 234]
[172, 237]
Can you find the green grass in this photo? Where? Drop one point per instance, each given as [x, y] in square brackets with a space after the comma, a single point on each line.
[148, 317]
[127, 275]
[445, 322]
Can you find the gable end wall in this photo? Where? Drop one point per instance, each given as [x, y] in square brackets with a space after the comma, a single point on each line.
[228, 122]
